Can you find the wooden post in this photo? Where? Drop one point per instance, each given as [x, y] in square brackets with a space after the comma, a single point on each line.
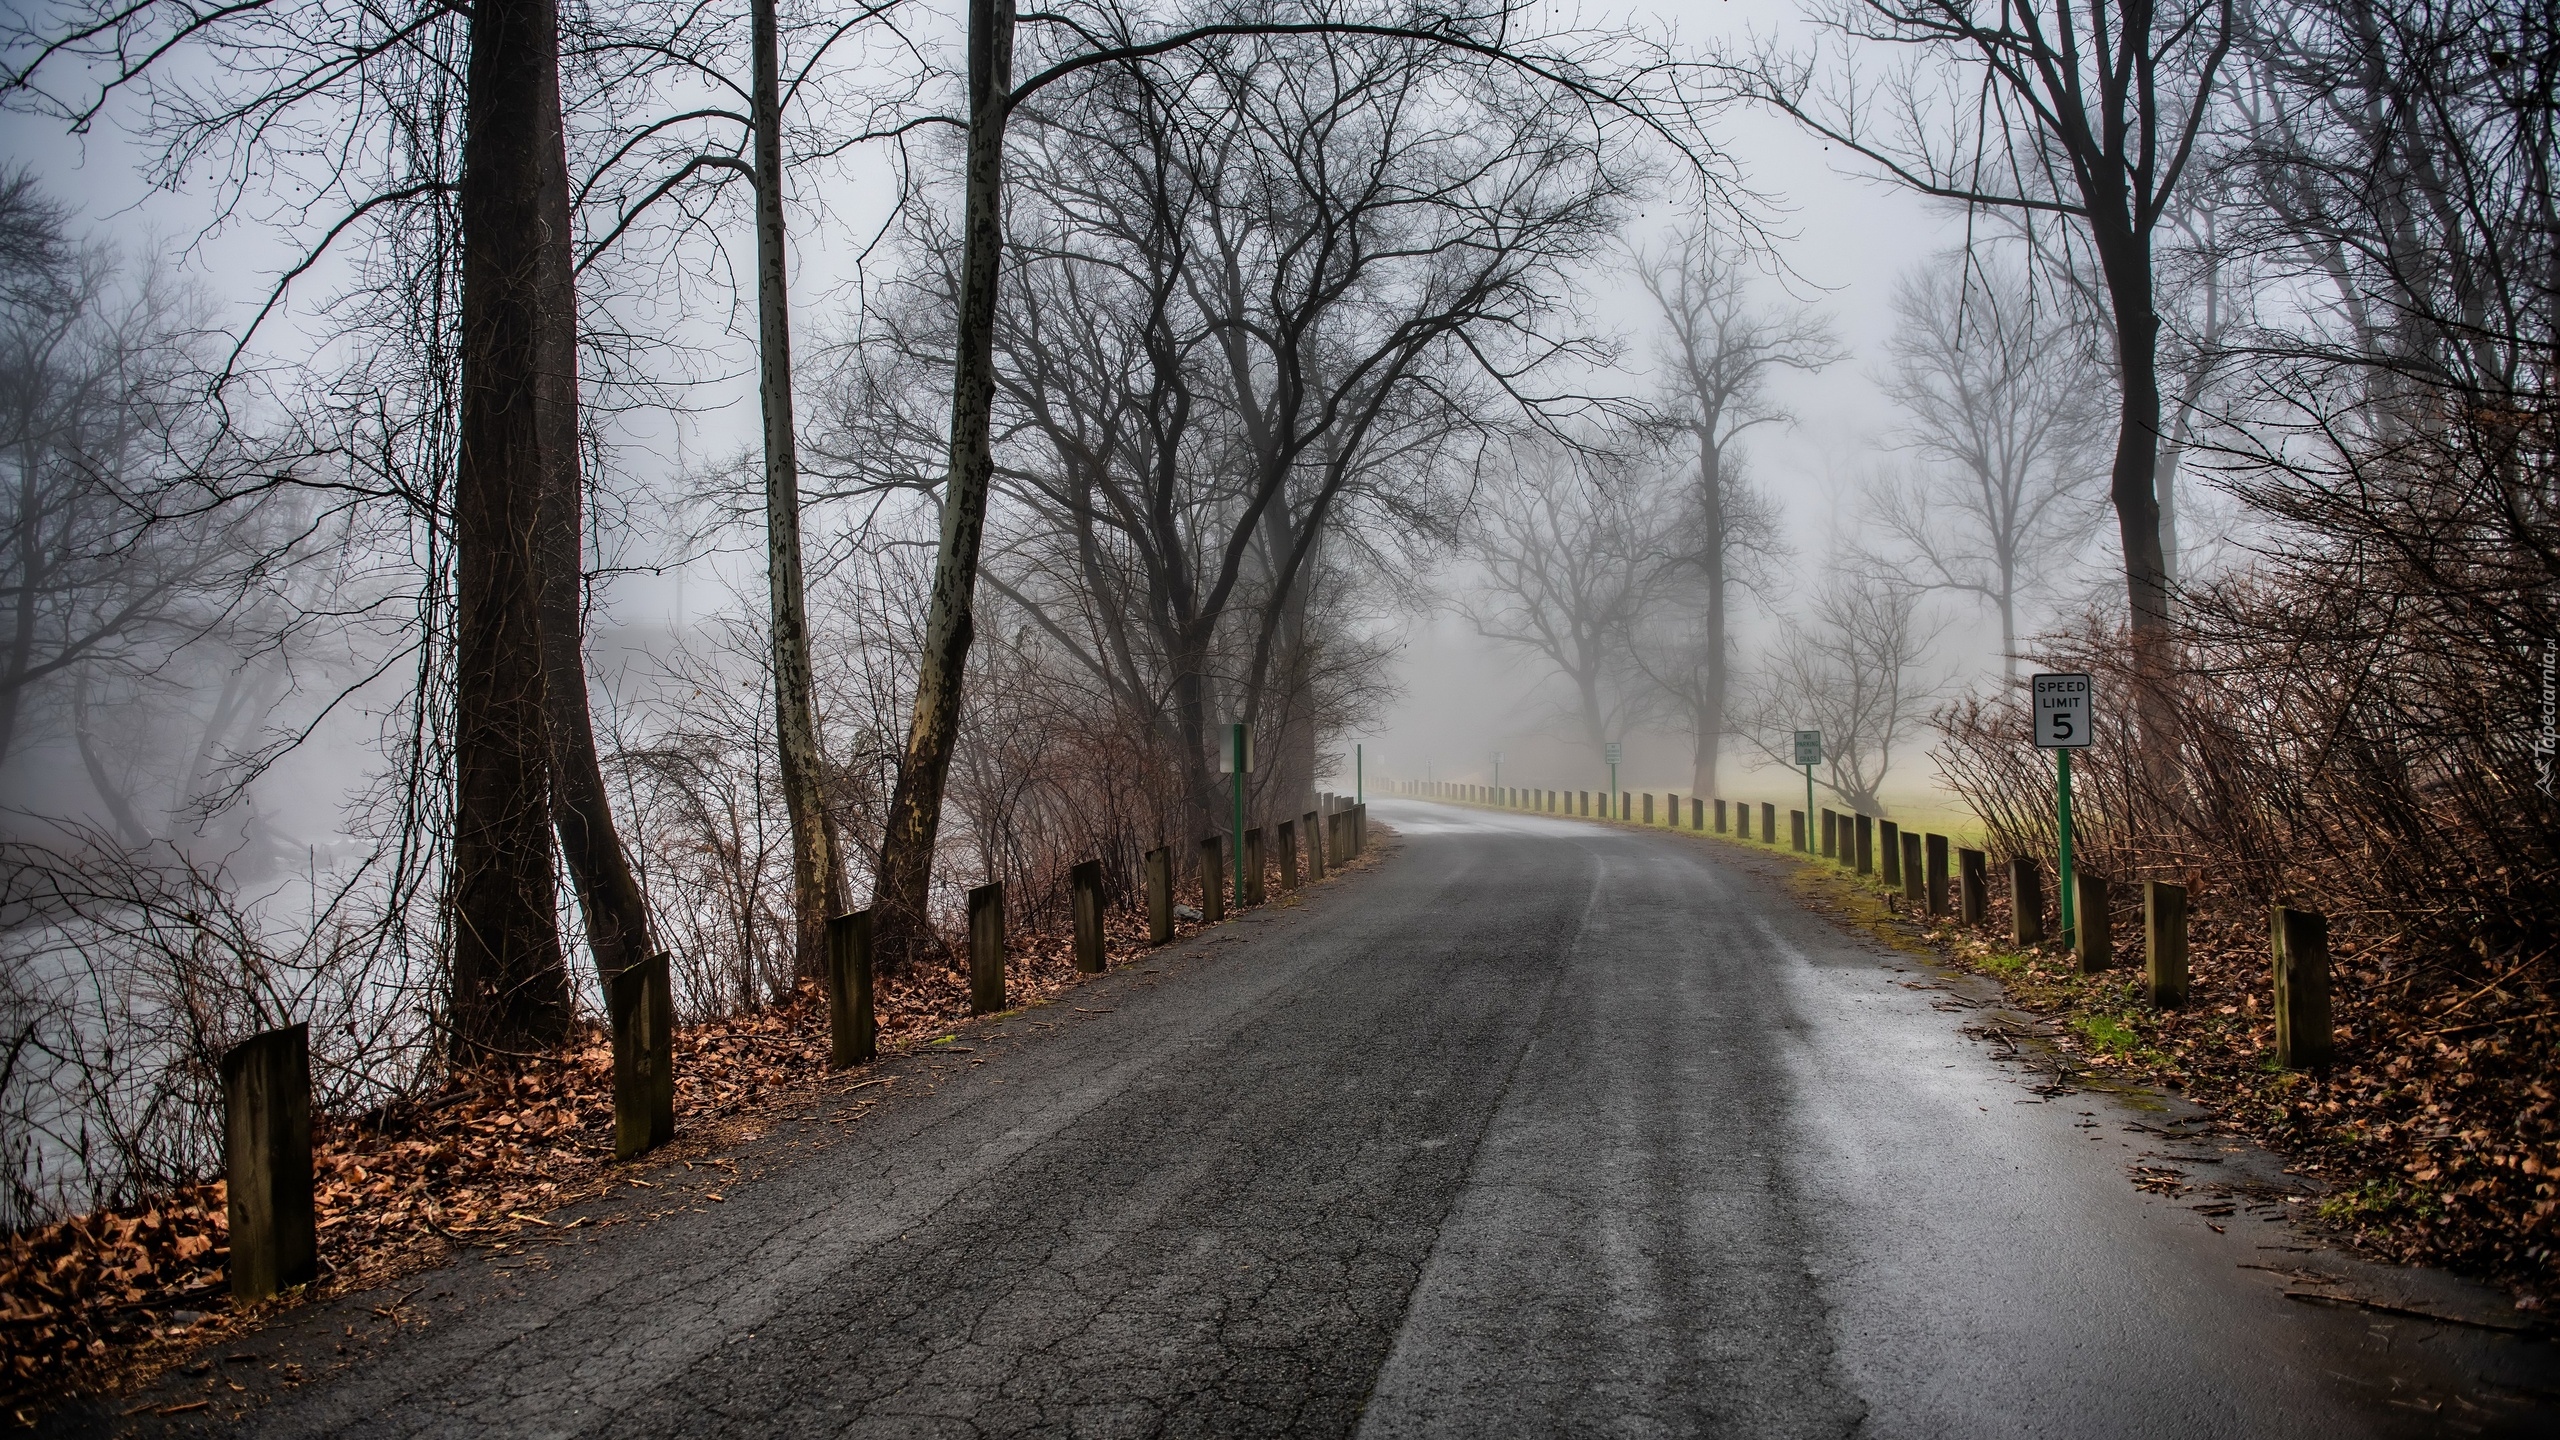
[1159, 894]
[1768, 824]
[2026, 902]
[1698, 815]
[266, 1160]
[1084, 883]
[1866, 845]
[1648, 807]
[1889, 836]
[1912, 888]
[853, 1034]
[642, 1008]
[2092, 939]
[1974, 869]
[1213, 881]
[1360, 828]
[1830, 833]
[1936, 861]
[1315, 845]
[2305, 1039]
[1288, 855]
[986, 948]
[1795, 830]
[1252, 868]
[1720, 817]
[2164, 942]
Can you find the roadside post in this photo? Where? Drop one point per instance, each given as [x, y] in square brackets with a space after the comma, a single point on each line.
[1238, 761]
[2164, 942]
[2065, 720]
[640, 1003]
[266, 1154]
[1159, 894]
[986, 948]
[1808, 755]
[2305, 1037]
[853, 1035]
[1613, 752]
[1084, 887]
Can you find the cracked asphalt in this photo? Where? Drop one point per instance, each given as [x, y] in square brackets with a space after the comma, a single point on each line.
[1538, 1128]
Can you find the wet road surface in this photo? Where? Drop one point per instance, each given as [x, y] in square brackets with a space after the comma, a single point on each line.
[1539, 1128]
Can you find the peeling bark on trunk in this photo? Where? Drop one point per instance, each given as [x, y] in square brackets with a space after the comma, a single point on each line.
[902, 929]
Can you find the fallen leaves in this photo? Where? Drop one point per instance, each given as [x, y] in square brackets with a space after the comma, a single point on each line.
[104, 1299]
[482, 1160]
[2437, 1133]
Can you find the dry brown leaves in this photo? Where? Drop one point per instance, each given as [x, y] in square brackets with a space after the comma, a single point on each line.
[2436, 1134]
[103, 1299]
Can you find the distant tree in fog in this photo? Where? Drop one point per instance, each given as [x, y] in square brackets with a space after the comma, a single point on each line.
[2004, 415]
[1572, 561]
[116, 552]
[1854, 665]
[1721, 348]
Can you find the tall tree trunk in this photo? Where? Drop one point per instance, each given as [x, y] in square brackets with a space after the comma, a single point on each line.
[901, 928]
[817, 870]
[2126, 258]
[609, 898]
[510, 987]
[1710, 731]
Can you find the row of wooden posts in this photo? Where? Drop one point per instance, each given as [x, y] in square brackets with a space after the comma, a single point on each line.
[1916, 864]
[266, 1079]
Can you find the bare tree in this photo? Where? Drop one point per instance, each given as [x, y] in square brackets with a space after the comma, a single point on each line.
[1260, 291]
[1573, 561]
[120, 547]
[2087, 112]
[1607, 94]
[1854, 666]
[1721, 349]
[2000, 415]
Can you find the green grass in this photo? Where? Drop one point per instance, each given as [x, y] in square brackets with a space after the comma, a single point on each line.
[2108, 1033]
[2376, 1197]
[2001, 962]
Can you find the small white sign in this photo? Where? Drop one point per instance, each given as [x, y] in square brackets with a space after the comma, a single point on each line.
[1613, 752]
[1236, 752]
[2066, 711]
[1808, 747]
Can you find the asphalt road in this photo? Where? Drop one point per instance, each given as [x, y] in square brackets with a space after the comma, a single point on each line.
[1539, 1128]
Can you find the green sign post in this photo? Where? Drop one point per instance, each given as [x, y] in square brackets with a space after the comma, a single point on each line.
[1236, 758]
[2066, 719]
[1614, 752]
[1808, 755]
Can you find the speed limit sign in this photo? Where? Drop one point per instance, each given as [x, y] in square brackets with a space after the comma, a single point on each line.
[2066, 711]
